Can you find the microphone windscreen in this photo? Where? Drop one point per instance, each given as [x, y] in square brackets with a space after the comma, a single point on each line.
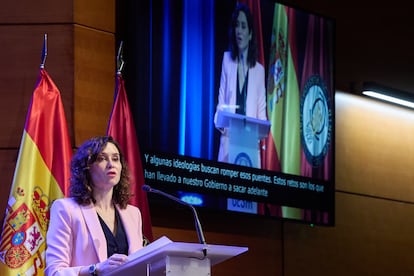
[146, 188]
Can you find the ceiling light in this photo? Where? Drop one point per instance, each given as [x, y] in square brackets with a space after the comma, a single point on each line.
[387, 94]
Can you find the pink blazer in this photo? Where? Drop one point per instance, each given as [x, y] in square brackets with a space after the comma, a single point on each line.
[75, 237]
[256, 96]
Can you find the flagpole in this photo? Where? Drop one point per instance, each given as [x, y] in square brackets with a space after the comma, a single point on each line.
[120, 60]
[122, 128]
[44, 52]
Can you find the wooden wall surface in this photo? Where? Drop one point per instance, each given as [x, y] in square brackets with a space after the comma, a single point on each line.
[374, 152]
[80, 60]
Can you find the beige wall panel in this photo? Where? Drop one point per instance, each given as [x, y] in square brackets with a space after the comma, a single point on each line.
[94, 82]
[21, 57]
[372, 237]
[98, 14]
[41, 11]
[374, 148]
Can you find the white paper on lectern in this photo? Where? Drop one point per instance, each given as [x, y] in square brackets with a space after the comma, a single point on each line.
[163, 247]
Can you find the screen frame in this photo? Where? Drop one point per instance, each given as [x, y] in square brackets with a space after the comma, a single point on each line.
[141, 83]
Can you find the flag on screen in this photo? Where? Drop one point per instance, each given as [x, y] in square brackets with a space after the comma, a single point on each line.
[41, 176]
[283, 95]
[121, 127]
[317, 94]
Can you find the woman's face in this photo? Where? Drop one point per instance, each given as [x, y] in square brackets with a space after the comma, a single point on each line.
[106, 170]
[243, 34]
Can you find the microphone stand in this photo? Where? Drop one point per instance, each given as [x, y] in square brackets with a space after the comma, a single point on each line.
[196, 219]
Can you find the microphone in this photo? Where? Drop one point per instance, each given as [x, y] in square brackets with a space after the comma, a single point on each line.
[200, 234]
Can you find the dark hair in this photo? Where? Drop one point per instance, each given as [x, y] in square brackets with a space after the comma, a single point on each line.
[80, 180]
[253, 52]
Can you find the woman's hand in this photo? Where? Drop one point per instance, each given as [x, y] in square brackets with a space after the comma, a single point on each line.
[111, 263]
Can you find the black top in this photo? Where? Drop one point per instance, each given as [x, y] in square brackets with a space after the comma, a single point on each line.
[118, 243]
[241, 95]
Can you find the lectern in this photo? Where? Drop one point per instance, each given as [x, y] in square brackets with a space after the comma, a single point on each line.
[165, 257]
[244, 136]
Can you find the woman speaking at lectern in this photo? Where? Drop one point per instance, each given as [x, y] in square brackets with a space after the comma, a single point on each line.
[93, 231]
[242, 81]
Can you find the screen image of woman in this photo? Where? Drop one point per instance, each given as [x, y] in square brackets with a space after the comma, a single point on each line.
[242, 81]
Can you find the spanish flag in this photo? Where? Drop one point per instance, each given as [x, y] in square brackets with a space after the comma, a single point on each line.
[283, 95]
[41, 176]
